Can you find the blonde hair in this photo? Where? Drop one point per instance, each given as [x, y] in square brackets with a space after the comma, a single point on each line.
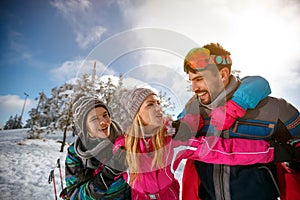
[132, 138]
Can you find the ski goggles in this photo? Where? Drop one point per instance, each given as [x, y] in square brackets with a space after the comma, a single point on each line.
[200, 58]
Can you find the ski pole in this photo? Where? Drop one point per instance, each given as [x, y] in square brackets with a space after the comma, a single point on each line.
[52, 179]
[60, 174]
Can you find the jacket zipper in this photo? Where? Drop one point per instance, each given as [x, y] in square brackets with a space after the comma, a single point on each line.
[237, 123]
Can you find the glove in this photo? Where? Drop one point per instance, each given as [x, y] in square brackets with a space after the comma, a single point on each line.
[105, 178]
[288, 148]
[113, 168]
[223, 117]
[283, 152]
[195, 122]
[182, 131]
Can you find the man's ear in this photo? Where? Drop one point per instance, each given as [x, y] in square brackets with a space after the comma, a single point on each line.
[224, 74]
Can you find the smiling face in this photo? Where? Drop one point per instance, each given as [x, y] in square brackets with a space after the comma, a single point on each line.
[208, 81]
[98, 123]
[207, 84]
[151, 113]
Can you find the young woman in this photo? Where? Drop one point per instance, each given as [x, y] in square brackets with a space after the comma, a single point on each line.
[152, 148]
[93, 147]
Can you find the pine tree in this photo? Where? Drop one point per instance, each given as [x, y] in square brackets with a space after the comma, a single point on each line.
[17, 122]
[35, 114]
[9, 124]
[58, 108]
[166, 103]
[111, 94]
[13, 122]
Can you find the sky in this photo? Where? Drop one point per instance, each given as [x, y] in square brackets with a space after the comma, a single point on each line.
[26, 164]
[47, 43]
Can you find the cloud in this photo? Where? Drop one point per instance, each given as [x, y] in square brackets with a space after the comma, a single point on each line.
[10, 105]
[83, 20]
[70, 7]
[70, 70]
[87, 37]
[262, 36]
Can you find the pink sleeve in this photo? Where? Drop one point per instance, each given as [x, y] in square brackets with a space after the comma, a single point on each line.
[233, 151]
[119, 142]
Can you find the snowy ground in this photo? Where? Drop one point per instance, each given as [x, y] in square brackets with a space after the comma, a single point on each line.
[25, 165]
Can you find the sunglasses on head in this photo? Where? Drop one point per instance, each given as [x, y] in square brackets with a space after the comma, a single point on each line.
[201, 59]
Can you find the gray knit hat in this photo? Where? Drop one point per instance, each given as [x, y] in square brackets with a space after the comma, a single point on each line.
[133, 99]
[82, 105]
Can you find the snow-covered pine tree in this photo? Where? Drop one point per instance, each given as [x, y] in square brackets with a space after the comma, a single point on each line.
[13, 122]
[59, 107]
[52, 110]
[60, 104]
[36, 119]
[9, 124]
[84, 85]
[112, 94]
[166, 103]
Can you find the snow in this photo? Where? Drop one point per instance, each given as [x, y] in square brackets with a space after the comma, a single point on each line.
[26, 164]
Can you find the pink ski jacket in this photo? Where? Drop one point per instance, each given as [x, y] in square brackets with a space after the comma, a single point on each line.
[160, 183]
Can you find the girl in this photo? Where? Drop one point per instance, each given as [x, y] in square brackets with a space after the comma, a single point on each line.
[93, 147]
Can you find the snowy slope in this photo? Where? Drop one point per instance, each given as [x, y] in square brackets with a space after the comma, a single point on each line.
[25, 165]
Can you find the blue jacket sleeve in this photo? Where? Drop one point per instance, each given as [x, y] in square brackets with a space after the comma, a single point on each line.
[252, 90]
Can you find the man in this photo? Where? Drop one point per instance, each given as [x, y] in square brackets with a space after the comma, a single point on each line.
[209, 70]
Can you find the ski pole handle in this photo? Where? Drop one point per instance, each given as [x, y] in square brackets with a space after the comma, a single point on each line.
[51, 176]
[52, 179]
[58, 163]
[60, 174]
